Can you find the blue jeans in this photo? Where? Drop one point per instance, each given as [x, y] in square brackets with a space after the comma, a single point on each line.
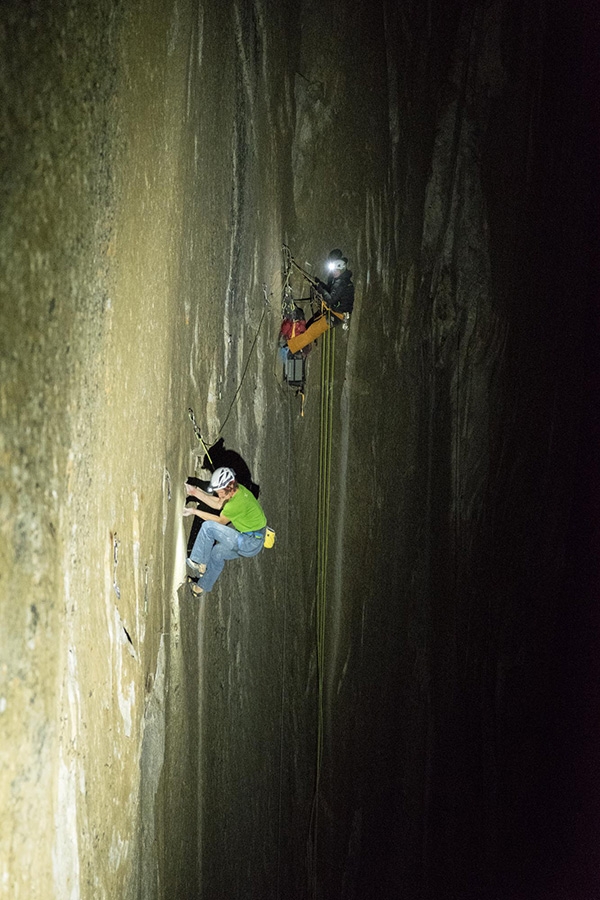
[215, 543]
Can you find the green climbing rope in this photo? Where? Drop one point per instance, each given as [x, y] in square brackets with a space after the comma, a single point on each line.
[324, 503]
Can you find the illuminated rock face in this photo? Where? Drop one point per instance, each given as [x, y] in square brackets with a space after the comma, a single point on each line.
[155, 159]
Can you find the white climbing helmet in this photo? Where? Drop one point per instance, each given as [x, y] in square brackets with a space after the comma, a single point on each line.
[220, 478]
[336, 261]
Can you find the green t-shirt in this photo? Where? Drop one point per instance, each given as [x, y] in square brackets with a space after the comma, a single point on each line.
[244, 511]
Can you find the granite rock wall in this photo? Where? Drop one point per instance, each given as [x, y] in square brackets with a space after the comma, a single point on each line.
[156, 157]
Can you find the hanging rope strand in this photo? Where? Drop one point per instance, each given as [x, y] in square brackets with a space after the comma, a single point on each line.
[283, 694]
[239, 387]
[324, 501]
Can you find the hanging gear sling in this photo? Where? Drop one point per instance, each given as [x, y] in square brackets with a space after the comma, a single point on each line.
[294, 364]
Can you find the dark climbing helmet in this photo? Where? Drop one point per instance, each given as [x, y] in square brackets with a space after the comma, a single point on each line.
[219, 479]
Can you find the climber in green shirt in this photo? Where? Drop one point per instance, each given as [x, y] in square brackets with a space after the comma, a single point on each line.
[217, 541]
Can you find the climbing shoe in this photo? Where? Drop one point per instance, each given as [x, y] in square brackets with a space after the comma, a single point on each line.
[196, 569]
[196, 589]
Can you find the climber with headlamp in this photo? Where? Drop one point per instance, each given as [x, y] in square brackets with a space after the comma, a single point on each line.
[337, 296]
[338, 292]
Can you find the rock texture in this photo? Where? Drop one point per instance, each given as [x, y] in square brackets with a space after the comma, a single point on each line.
[155, 158]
